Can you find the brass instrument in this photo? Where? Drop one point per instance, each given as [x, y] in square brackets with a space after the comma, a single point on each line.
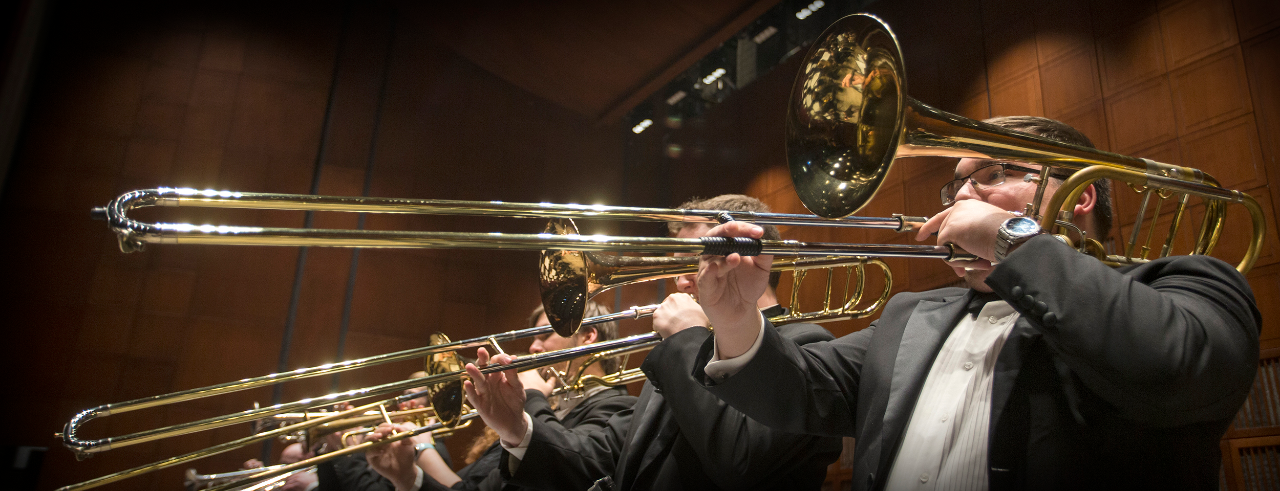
[850, 117]
[602, 350]
[443, 381]
[197, 481]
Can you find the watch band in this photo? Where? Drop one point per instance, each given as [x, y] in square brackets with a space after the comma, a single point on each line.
[1012, 233]
[421, 447]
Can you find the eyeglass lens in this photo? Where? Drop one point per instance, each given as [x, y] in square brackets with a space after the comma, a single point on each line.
[991, 175]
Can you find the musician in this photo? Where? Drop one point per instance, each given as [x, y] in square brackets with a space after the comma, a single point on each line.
[1051, 371]
[585, 411]
[298, 481]
[353, 472]
[678, 436]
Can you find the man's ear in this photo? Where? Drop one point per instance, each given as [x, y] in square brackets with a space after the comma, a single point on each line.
[1088, 199]
[589, 335]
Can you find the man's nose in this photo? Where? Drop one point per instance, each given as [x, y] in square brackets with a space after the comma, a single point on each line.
[967, 191]
[536, 347]
[687, 284]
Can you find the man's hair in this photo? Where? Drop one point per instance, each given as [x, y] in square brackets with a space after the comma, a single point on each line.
[604, 331]
[1059, 131]
[732, 202]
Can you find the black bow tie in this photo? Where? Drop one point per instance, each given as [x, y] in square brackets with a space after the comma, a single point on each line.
[978, 300]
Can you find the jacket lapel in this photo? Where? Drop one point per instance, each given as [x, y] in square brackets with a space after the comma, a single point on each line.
[1008, 364]
[922, 338]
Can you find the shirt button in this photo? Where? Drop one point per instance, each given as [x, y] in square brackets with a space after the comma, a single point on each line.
[992, 319]
[968, 365]
[944, 419]
[924, 478]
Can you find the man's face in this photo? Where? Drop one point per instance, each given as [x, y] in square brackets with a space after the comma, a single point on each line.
[551, 341]
[1012, 195]
[291, 453]
[688, 283]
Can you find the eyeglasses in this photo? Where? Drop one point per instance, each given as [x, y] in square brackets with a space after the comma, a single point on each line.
[984, 177]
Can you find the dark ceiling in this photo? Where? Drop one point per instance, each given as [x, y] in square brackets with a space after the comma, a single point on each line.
[598, 59]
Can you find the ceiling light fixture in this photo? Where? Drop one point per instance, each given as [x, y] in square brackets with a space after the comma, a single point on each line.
[714, 76]
[807, 11]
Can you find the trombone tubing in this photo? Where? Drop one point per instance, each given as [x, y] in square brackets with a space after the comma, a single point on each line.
[278, 470]
[523, 362]
[134, 235]
[86, 448]
[209, 198]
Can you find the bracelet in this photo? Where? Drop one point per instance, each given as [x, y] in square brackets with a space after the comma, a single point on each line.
[419, 448]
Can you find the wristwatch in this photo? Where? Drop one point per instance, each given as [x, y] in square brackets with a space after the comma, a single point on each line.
[1014, 232]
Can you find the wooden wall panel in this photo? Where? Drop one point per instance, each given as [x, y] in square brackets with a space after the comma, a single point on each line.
[1210, 91]
[1193, 29]
[1070, 81]
[1141, 116]
[1255, 17]
[1131, 55]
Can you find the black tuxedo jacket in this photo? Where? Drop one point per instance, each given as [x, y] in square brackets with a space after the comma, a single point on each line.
[679, 436]
[1115, 379]
[592, 414]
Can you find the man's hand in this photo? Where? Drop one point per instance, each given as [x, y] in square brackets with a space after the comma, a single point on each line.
[393, 460]
[302, 480]
[678, 312]
[971, 225]
[498, 397]
[728, 288]
[532, 379]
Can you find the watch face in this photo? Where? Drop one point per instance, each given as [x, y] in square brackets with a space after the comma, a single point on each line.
[1021, 226]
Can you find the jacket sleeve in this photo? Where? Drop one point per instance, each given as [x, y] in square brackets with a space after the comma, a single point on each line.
[737, 452]
[811, 389]
[560, 458]
[1171, 342]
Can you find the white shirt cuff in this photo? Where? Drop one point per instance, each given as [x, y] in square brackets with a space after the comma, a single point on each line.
[417, 481]
[719, 369]
[518, 451]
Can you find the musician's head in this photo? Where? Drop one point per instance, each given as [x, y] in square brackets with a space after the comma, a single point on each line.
[1093, 211]
[586, 335]
[724, 202]
[1009, 184]
[416, 402]
[293, 453]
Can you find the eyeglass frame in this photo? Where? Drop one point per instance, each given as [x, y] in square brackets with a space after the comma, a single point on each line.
[1004, 169]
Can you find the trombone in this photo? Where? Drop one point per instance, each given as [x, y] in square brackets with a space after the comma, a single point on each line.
[597, 352]
[850, 117]
[443, 380]
[197, 481]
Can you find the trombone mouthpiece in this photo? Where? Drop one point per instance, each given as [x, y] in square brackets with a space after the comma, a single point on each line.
[98, 213]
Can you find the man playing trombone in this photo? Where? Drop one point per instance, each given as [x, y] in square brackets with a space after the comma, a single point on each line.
[677, 436]
[1051, 371]
[412, 464]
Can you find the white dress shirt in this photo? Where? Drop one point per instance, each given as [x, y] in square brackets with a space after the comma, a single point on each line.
[945, 443]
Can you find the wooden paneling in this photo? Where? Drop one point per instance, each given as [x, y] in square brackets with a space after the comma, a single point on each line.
[1210, 91]
[1196, 28]
[1141, 116]
[1070, 82]
[1255, 17]
[1131, 55]
[1229, 152]
[1020, 95]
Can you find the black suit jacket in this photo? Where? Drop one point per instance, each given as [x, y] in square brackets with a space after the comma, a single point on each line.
[589, 415]
[1122, 379]
[679, 436]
